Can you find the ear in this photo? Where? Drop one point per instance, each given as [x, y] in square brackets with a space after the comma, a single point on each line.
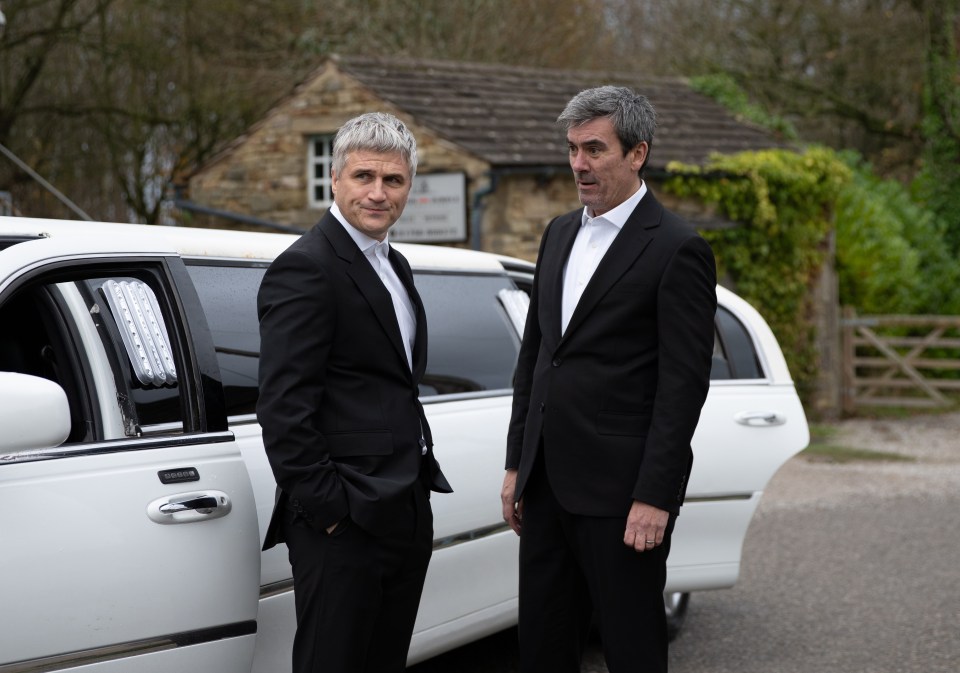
[334, 179]
[638, 155]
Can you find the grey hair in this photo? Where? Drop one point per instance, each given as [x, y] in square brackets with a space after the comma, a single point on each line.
[374, 132]
[634, 119]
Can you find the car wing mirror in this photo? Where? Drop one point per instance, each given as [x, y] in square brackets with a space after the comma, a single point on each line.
[34, 414]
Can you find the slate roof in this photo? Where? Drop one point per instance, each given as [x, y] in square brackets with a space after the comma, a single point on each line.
[506, 114]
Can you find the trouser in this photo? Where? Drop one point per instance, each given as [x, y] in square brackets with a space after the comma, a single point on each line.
[357, 594]
[576, 569]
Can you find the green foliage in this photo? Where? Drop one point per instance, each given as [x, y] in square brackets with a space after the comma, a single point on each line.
[892, 256]
[725, 90]
[782, 202]
[891, 253]
[938, 183]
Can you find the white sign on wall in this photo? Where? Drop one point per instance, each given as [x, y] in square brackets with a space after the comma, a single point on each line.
[436, 210]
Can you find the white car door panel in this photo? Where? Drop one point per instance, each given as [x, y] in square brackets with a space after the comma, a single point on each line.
[471, 539]
[133, 546]
[751, 423]
[736, 458]
[87, 569]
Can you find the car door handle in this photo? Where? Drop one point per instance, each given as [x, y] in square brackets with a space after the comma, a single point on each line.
[760, 419]
[188, 507]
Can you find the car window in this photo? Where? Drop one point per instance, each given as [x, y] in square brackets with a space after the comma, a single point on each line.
[734, 353]
[472, 344]
[228, 293]
[104, 339]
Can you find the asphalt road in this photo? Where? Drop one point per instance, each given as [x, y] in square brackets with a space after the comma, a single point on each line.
[847, 568]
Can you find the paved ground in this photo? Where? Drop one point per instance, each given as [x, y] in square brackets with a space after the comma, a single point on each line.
[848, 568]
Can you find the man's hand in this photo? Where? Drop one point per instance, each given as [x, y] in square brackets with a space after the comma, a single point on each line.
[512, 511]
[646, 525]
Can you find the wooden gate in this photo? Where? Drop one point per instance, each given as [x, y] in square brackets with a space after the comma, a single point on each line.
[900, 360]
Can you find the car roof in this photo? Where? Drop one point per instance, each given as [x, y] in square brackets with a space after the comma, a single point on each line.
[229, 243]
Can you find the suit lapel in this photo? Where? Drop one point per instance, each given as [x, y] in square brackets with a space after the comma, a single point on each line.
[630, 242]
[564, 233]
[365, 278]
[402, 267]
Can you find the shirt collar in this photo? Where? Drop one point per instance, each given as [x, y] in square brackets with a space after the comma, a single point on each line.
[367, 244]
[618, 216]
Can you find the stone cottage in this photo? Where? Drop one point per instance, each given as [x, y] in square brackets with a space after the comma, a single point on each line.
[493, 164]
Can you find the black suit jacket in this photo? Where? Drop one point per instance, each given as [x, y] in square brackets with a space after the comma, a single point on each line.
[339, 407]
[617, 398]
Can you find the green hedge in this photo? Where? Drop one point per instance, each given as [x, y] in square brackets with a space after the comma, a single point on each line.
[891, 253]
[783, 203]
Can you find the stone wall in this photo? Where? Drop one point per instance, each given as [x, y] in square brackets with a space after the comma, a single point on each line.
[263, 174]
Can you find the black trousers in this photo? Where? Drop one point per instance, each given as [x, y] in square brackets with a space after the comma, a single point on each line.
[575, 570]
[357, 594]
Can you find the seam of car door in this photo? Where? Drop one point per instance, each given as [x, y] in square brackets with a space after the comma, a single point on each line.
[115, 446]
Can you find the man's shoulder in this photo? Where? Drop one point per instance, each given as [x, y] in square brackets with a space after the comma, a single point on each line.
[570, 219]
[314, 242]
[673, 224]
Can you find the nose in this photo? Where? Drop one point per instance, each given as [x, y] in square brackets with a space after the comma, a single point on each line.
[377, 193]
[578, 162]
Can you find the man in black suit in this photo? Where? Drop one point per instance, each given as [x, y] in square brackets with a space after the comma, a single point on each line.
[612, 374]
[343, 349]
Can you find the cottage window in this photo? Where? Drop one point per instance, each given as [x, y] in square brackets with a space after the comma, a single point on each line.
[318, 171]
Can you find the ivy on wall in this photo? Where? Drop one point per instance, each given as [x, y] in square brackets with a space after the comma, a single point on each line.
[782, 202]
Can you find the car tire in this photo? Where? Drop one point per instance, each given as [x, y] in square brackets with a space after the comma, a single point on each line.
[675, 605]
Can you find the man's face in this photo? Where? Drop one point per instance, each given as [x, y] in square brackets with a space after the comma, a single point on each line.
[372, 190]
[605, 178]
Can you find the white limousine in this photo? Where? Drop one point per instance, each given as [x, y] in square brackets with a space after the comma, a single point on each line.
[134, 487]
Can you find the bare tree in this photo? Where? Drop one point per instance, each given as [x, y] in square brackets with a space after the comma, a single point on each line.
[848, 72]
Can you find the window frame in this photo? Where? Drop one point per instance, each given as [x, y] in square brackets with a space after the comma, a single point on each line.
[720, 333]
[506, 321]
[195, 261]
[325, 159]
[197, 393]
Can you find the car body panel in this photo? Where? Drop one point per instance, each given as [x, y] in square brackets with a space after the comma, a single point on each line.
[88, 578]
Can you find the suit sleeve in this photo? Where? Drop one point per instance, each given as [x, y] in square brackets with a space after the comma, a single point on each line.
[686, 308]
[526, 362]
[297, 321]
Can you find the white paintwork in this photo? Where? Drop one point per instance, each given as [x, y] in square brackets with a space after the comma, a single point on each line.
[83, 567]
[193, 242]
[34, 412]
[471, 587]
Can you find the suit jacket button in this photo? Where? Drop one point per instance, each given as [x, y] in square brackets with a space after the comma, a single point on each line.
[543, 407]
[556, 362]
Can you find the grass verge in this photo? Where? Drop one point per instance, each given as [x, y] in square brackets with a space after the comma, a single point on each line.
[823, 448]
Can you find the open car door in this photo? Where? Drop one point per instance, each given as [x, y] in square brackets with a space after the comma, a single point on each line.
[128, 535]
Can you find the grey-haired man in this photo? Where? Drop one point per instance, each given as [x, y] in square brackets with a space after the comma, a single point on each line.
[343, 348]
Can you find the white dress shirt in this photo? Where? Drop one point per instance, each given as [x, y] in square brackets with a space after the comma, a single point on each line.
[377, 253]
[593, 240]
